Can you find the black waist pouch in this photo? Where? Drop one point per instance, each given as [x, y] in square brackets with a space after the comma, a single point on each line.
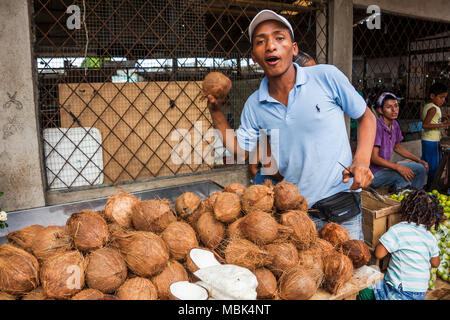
[339, 207]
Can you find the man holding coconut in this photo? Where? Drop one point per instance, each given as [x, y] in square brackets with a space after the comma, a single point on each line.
[302, 111]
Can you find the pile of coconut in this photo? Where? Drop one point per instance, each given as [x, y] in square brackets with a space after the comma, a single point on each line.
[240, 243]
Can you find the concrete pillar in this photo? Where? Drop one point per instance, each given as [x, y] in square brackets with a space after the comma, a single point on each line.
[340, 39]
[21, 179]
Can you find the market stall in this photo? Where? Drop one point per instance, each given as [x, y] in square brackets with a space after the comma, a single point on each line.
[172, 243]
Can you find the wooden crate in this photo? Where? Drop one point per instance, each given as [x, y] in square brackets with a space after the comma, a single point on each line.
[136, 121]
[378, 217]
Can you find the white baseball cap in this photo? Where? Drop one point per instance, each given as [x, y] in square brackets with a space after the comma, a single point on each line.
[265, 15]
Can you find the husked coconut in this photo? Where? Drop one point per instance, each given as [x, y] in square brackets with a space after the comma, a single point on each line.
[210, 230]
[311, 257]
[89, 294]
[118, 208]
[282, 256]
[325, 246]
[357, 251]
[234, 229]
[184, 290]
[337, 269]
[186, 204]
[261, 227]
[257, 197]
[244, 253]
[300, 283]
[304, 229]
[180, 238]
[145, 253]
[201, 258]
[152, 215]
[62, 275]
[334, 233]
[173, 272]
[88, 230]
[137, 289]
[106, 270]
[287, 197]
[19, 270]
[23, 238]
[236, 188]
[6, 296]
[267, 283]
[49, 241]
[227, 207]
[36, 294]
[216, 84]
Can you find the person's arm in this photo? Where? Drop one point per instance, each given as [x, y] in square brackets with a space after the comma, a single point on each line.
[360, 167]
[435, 262]
[380, 251]
[408, 155]
[426, 124]
[227, 134]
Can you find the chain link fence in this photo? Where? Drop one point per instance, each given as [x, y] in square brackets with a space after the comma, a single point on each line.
[119, 81]
[404, 56]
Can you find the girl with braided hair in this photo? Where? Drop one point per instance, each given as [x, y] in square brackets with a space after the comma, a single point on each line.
[413, 249]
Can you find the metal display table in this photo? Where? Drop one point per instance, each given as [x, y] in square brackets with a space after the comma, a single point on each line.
[58, 214]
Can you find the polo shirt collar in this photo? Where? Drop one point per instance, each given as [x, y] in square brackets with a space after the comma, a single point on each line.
[300, 79]
[384, 125]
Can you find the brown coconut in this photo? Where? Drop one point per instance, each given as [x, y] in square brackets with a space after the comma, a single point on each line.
[137, 289]
[186, 204]
[337, 269]
[287, 196]
[118, 208]
[282, 256]
[357, 251]
[257, 197]
[36, 294]
[19, 270]
[6, 296]
[261, 227]
[210, 230]
[334, 234]
[234, 229]
[267, 284]
[244, 253]
[106, 270]
[227, 207]
[89, 294]
[304, 232]
[173, 272]
[311, 257]
[152, 215]
[325, 246]
[51, 240]
[62, 275]
[236, 188]
[180, 238]
[88, 229]
[23, 238]
[216, 84]
[300, 283]
[145, 253]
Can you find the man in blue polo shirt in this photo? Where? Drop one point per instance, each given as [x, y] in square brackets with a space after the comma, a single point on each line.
[302, 111]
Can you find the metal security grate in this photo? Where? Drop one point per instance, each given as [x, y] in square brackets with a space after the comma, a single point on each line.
[132, 71]
[404, 56]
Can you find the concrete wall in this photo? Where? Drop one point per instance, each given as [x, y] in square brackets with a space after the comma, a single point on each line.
[20, 163]
[438, 10]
